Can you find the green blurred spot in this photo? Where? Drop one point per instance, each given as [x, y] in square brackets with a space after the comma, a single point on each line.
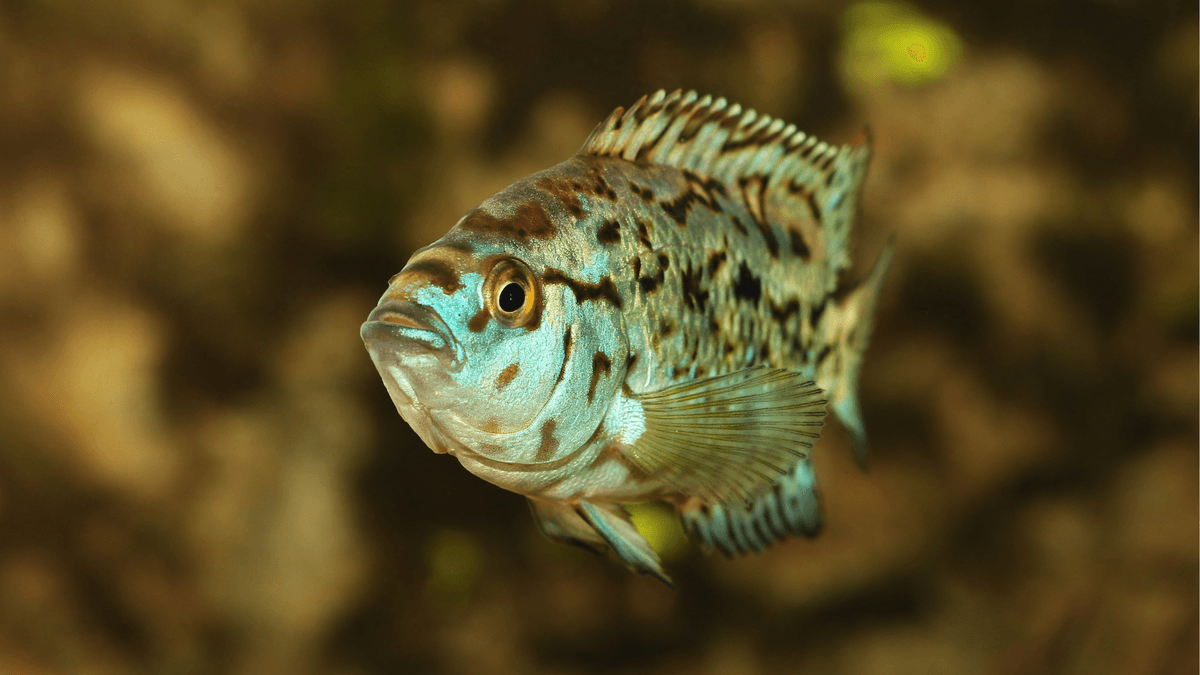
[455, 562]
[891, 41]
[660, 526]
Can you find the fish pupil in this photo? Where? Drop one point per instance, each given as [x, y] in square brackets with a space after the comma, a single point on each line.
[512, 297]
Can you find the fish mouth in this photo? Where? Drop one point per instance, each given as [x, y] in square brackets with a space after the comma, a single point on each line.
[410, 329]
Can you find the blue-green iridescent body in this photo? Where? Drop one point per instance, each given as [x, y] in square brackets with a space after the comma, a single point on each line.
[676, 334]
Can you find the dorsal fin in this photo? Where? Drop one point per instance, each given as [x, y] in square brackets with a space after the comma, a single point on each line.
[713, 138]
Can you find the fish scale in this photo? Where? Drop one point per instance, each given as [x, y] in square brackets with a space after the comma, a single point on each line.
[668, 329]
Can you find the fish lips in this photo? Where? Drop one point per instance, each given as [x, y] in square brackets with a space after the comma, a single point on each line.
[409, 329]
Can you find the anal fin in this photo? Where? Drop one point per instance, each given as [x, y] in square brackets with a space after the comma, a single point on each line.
[789, 506]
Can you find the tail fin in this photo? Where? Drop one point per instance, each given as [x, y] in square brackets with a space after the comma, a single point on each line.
[847, 330]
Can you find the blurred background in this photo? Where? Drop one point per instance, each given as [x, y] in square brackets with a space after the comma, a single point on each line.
[201, 472]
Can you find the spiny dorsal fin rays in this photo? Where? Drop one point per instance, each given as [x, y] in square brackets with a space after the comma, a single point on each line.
[711, 137]
[730, 436]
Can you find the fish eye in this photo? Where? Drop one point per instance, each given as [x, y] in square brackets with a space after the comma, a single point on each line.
[512, 294]
[512, 297]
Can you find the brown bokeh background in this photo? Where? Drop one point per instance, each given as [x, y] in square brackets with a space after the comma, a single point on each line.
[200, 471]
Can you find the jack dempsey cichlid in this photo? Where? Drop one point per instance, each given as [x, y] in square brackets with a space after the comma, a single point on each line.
[656, 318]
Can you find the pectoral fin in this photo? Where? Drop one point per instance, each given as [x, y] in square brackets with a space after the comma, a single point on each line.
[727, 438]
[612, 522]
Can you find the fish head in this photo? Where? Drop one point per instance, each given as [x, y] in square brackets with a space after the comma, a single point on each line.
[486, 344]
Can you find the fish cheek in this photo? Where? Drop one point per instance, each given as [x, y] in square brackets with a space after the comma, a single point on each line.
[513, 374]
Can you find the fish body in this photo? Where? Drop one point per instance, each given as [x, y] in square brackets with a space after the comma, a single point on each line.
[658, 317]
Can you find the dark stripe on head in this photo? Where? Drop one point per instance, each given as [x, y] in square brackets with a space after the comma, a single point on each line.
[549, 443]
[529, 222]
[507, 376]
[605, 289]
[479, 321]
[438, 272]
[567, 344]
[799, 247]
[600, 362]
[609, 232]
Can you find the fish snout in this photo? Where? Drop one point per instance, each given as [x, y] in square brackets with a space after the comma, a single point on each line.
[407, 328]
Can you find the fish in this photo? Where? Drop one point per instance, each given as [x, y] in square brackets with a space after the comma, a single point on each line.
[657, 318]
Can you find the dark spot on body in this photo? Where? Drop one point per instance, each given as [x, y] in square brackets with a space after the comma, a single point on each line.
[604, 289]
[814, 314]
[637, 266]
[438, 272]
[823, 354]
[694, 293]
[678, 208]
[739, 225]
[781, 315]
[664, 261]
[609, 232]
[812, 205]
[643, 234]
[507, 376]
[769, 238]
[648, 284]
[666, 327]
[600, 362]
[748, 286]
[646, 194]
[566, 193]
[715, 261]
[799, 247]
[549, 443]
[479, 321]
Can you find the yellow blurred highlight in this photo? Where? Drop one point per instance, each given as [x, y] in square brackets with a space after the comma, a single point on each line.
[455, 562]
[658, 523]
[891, 41]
